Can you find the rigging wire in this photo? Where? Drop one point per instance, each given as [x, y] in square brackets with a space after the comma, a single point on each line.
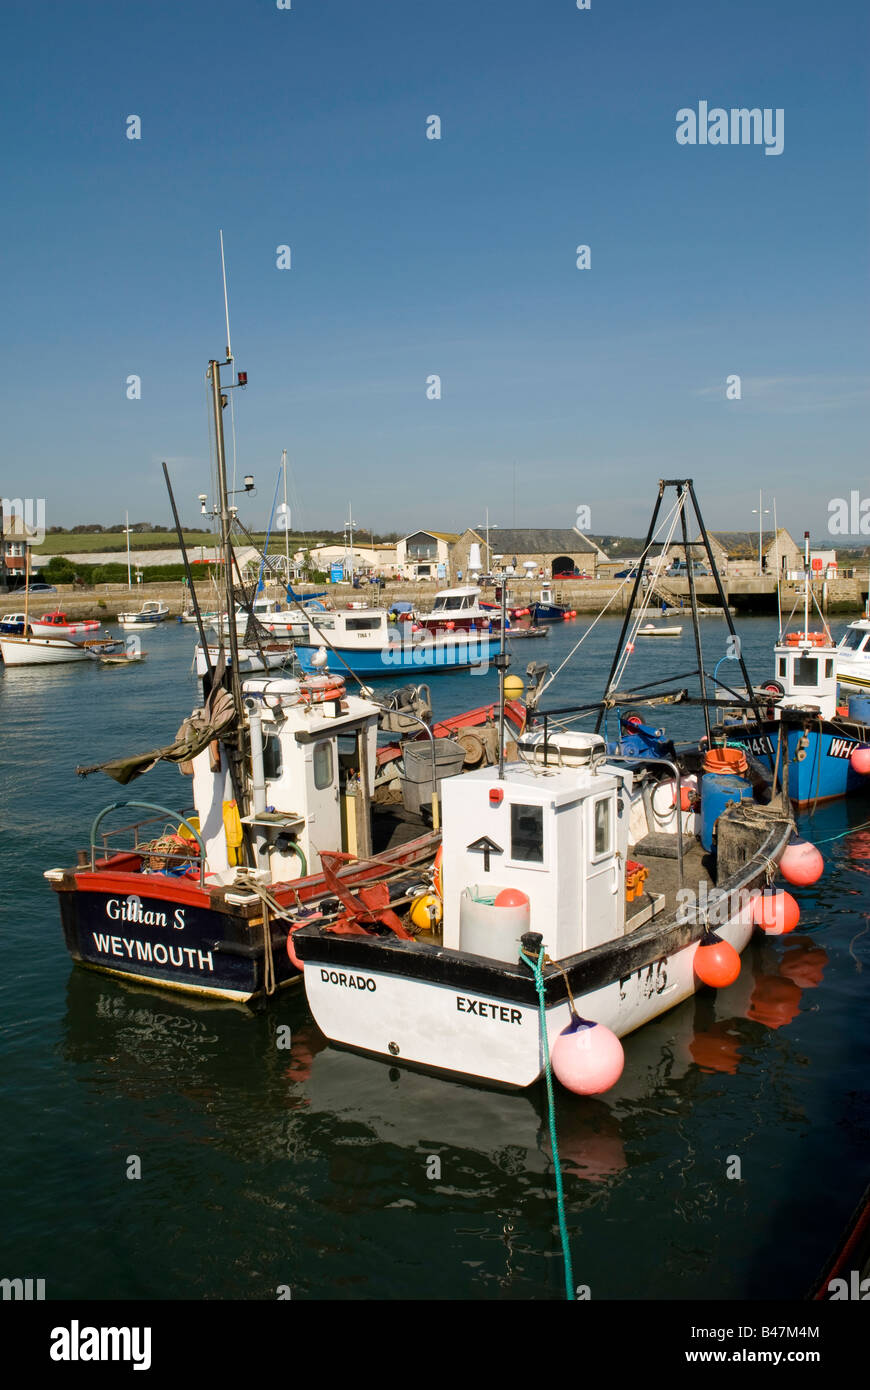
[673, 512]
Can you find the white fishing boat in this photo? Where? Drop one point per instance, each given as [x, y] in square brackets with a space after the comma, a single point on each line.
[152, 612]
[583, 889]
[853, 655]
[545, 856]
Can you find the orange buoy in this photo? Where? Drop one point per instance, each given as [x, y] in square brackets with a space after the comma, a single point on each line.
[437, 880]
[801, 864]
[716, 962]
[775, 911]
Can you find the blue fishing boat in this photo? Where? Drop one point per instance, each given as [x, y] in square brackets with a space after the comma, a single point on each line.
[456, 635]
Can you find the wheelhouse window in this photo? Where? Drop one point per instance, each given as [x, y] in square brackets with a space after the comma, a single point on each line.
[527, 834]
[783, 665]
[323, 765]
[806, 670]
[362, 624]
[272, 760]
[853, 640]
[829, 668]
[603, 826]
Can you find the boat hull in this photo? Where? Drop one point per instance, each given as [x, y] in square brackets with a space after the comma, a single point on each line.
[168, 932]
[401, 656]
[818, 758]
[452, 1012]
[40, 651]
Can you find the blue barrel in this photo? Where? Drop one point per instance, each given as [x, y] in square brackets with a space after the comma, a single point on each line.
[717, 789]
[859, 707]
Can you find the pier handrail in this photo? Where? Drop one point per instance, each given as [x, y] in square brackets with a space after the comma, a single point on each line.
[162, 811]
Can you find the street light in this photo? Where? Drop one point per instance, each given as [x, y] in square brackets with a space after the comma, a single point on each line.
[487, 528]
[761, 513]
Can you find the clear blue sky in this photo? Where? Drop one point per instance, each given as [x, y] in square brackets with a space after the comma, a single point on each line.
[410, 257]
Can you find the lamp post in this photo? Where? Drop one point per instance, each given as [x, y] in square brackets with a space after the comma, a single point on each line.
[127, 531]
[487, 529]
[761, 512]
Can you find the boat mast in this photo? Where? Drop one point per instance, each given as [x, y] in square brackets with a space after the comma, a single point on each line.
[806, 582]
[286, 516]
[219, 401]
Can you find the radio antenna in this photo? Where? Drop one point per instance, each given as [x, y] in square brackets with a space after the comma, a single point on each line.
[226, 301]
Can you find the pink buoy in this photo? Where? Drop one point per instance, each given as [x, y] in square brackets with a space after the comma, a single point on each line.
[860, 760]
[587, 1057]
[776, 912]
[291, 951]
[801, 864]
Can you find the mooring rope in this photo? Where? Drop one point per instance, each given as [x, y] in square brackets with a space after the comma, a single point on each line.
[536, 967]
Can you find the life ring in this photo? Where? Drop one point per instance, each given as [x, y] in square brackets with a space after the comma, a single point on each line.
[777, 689]
[802, 639]
[316, 690]
[437, 878]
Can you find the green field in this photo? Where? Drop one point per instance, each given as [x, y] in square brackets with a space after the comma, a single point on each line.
[149, 540]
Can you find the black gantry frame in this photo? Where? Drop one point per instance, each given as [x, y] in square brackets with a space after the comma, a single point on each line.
[685, 491]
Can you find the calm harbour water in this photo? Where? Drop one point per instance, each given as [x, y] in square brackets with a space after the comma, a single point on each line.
[308, 1169]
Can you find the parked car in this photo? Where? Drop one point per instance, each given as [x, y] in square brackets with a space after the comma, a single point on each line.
[626, 574]
[41, 589]
[679, 568]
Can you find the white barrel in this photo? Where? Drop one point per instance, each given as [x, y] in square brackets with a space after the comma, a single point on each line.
[273, 691]
[487, 930]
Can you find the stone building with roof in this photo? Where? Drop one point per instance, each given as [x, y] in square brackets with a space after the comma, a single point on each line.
[556, 552]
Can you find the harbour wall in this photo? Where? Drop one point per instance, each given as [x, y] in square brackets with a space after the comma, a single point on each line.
[106, 601]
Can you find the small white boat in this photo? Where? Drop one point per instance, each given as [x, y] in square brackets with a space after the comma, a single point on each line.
[275, 655]
[47, 651]
[653, 630]
[152, 612]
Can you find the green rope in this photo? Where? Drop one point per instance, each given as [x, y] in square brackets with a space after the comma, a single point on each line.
[851, 831]
[535, 966]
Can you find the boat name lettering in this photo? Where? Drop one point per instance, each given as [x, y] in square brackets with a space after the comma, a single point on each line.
[131, 910]
[335, 977]
[154, 953]
[652, 979]
[759, 745]
[842, 748]
[480, 1006]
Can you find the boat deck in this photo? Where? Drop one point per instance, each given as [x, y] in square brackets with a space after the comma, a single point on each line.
[664, 882]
